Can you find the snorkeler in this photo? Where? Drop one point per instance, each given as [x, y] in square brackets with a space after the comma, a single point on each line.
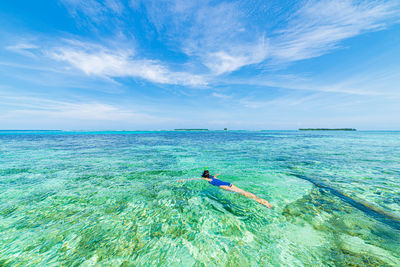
[230, 187]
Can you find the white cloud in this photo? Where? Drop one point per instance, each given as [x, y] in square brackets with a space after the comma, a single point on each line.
[212, 34]
[234, 58]
[23, 48]
[319, 26]
[218, 36]
[223, 38]
[96, 11]
[90, 7]
[115, 6]
[376, 82]
[44, 109]
[98, 60]
[82, 111]
[289, 100]
[222, 96]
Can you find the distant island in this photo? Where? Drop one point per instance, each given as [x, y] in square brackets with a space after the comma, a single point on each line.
[190, 129]
[327, 129]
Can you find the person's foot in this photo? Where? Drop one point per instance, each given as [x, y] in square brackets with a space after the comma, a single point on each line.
[268, 205]
[264, 202]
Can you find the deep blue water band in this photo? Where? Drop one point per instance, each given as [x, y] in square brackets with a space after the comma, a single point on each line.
[371, 210]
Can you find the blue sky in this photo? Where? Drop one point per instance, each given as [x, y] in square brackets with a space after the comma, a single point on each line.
[127, 65]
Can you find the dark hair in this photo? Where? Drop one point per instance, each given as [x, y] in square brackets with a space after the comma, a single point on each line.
[205, 174]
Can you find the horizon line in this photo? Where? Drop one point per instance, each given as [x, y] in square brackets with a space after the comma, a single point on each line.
[188, 130]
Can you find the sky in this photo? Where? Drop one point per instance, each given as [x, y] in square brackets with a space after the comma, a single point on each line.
[156, 64]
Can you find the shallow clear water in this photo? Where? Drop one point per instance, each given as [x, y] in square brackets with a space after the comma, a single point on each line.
[112, 198]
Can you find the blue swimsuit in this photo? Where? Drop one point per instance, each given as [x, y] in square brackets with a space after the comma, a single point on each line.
[218, 182]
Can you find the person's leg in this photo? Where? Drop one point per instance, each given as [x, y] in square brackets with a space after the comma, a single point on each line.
[246, 194]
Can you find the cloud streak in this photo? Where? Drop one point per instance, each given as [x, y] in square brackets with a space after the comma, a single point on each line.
[97, 60]
[319, 26]
[95, 11]
[225, 41]
[120, 64]
[18, 107]
[23, 48]
[218, 36]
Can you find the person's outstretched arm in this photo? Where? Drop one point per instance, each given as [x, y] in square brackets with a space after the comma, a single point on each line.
[216, 175]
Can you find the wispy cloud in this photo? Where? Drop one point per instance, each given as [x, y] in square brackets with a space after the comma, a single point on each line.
[23, 48]
[97, 60]
[243, 52]
[95, 11]
[221, 96]
[108, 62]
[18, 107]
[217, 36]
[115, 6]
[232, 59]
[319, 26]
[222, 37]
[382, 82]
[290, 100]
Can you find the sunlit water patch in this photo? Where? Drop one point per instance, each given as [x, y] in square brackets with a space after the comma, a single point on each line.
[113, 198]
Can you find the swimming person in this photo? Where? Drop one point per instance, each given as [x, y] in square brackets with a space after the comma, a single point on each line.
[230, 187]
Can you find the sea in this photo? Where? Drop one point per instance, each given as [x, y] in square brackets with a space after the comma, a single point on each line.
[113, 198]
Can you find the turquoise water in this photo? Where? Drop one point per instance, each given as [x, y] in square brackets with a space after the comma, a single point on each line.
[111, 198]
